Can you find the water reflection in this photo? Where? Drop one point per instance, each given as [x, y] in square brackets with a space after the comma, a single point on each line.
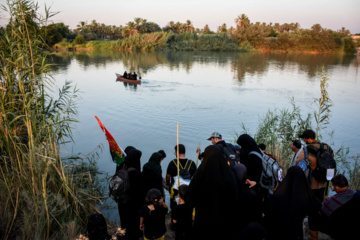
[242, 64]
[131, 86]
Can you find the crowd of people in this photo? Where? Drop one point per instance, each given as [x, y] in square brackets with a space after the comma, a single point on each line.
[217, 200]
[131, 76]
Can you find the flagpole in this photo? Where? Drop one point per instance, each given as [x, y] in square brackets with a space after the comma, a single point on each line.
[197, 155]
[177, 154]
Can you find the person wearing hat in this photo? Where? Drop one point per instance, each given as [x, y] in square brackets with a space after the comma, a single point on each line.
[318, 188]
[216, 139]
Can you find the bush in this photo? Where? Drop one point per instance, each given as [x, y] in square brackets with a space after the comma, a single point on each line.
[79, 40]
[349, 45]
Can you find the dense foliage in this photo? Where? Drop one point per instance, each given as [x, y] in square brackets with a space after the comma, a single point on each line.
[145, 36]
[42, 197]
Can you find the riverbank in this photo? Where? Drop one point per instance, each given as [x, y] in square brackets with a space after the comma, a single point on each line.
[299, 42]
[170, 234]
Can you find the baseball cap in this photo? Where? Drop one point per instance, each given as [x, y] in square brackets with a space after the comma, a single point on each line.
[308, 133]
[215, 134]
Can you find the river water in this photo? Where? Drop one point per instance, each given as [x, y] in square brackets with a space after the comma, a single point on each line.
[203, 92]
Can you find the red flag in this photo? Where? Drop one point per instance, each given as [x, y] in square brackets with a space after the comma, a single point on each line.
[117, 153]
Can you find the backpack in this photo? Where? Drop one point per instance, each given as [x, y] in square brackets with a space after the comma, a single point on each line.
[325, 162]
[230, 155]
[271, 173]
[119, 185]
[184, 173]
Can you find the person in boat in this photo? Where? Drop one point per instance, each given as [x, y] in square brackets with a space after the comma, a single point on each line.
[135, 76]
[131, 77]
[125, 75]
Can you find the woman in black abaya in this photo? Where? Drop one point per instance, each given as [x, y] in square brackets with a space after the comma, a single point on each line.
[213, 192]
[252, 162]
[286, 209]
[250, 200]
[152, 173]
[129, 211]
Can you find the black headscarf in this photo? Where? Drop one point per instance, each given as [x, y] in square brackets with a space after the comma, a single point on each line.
[252, 162]
[132, 159]
[213, 192]
[286, 209]
[240, 175]
[247, 144]
[97, 227]
[152, 173]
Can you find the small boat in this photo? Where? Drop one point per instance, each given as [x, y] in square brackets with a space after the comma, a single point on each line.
[120, 78]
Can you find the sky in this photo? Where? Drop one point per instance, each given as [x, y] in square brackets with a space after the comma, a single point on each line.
[330, 14]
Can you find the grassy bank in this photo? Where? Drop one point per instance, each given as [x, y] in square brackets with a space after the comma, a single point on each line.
[42, 195]
[161, 41]
[302, 41]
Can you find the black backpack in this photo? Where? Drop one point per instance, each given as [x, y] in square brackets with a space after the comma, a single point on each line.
[232, 158]
[184, 172]
[119, 185]
[325, 161]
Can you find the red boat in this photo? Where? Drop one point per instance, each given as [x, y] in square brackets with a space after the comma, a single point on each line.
[120, 78]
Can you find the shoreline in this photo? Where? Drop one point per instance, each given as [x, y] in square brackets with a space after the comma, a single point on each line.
[170, 234]
[262, 50]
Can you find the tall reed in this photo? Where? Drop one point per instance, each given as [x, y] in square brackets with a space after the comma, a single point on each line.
[277, 128]
[322, 114]
[40, 199]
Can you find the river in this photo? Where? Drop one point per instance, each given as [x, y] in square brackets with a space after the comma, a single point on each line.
[203, 92]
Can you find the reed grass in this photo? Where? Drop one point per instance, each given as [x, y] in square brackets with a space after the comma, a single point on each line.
[278, 127]
[40, 197]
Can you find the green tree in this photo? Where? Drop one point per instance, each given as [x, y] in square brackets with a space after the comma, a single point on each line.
[79, 39]
[242, 21]
[54, 33]
[80, 26]
[207, 29]
[222, 28]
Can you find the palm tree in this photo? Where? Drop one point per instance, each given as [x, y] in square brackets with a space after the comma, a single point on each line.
[131, 28]
[206, 29]
[137, 23]
[171, 24]
[144, 26]
[189, 26]
[242, 21]
[102, 29]
[296, 26]
[80, 26]
[222, 28]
